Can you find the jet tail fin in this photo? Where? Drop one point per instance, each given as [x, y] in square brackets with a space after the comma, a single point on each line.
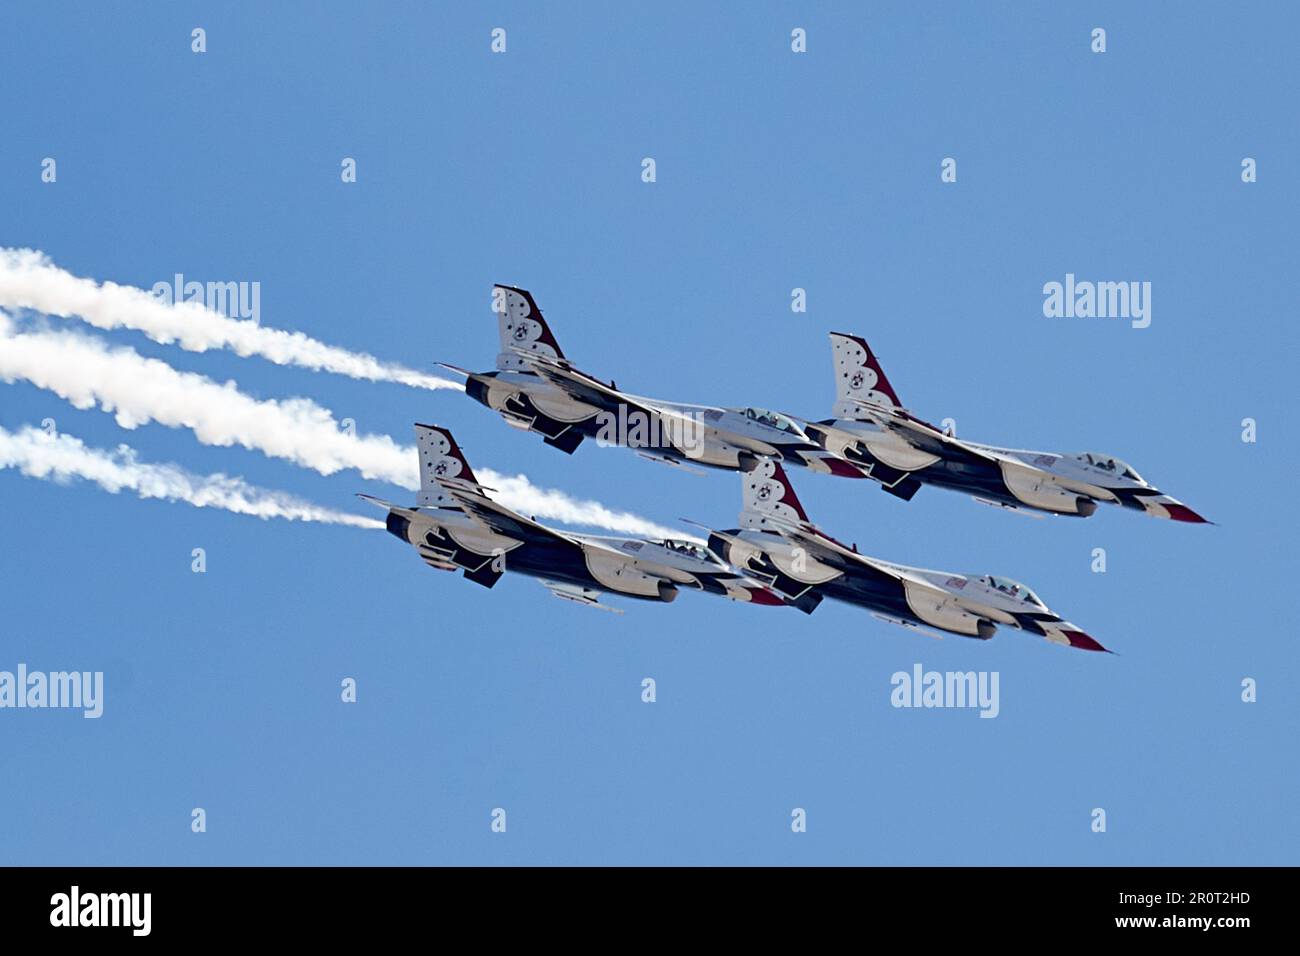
[858, 378]
[769, 497]
[441, 463]
[521, 328]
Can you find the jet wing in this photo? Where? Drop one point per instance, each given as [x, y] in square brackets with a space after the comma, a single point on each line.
[926, 437]
[921, 434]
[501, 519]
[831, 552]
[504, 521]
[582, 387]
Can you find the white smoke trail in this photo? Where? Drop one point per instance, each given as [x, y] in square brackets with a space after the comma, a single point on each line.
[62, 458]
[518, 493]
[137, 390]
[29, 280]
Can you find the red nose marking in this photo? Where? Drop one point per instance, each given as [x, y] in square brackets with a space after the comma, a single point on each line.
[1082, 640]
[1184, 513]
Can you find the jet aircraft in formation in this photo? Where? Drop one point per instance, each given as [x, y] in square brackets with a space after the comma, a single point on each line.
[455, 526]
[535, 388]
[873, 432]
[776, 556]
[777, 544]
[872, 435]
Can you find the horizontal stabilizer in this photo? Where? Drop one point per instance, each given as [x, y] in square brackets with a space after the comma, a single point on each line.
[905, 488]
[462, 372]
[486, 574]
[806, 602]
[567, 441]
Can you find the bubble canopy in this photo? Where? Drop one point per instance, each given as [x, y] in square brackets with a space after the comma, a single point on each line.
[774, 419]
[1108, 463]
[1013, 589]
[690, 548]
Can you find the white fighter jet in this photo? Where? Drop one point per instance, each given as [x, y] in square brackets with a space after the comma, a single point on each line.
[777, 544]
[534, 387]
[874, 433]
[455, 526]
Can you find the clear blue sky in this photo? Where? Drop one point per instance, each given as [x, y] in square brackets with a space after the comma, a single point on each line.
[774, 171]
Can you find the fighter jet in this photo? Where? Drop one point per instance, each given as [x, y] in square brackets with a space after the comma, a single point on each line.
[455, 526]
[536, 388]
[777, 544]
[874, 433]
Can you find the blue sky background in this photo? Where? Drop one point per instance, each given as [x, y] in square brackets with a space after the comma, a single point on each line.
[774, 171]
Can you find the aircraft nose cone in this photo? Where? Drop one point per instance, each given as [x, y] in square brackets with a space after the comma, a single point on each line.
[1163, 506]
[1083, 641]
[1179, 512]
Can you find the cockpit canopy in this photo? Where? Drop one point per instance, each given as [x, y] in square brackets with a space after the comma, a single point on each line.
[1013, 589]
[1109, 463]
[773, 420]
[690, 549]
